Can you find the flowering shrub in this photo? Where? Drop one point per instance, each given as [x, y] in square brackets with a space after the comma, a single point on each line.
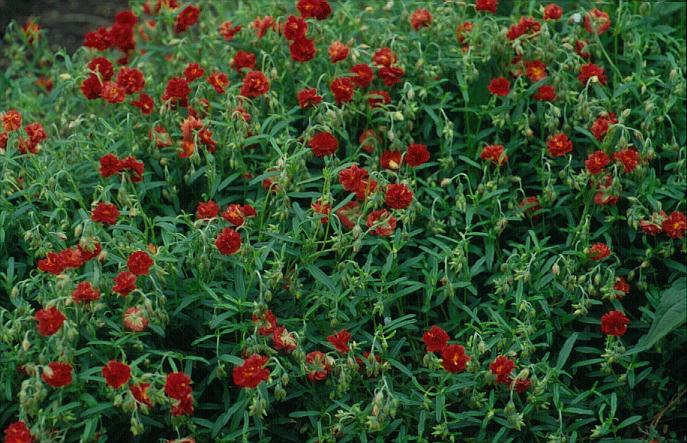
[325, 221]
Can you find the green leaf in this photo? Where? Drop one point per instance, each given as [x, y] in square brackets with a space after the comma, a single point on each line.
[565, 351]
[670, 314]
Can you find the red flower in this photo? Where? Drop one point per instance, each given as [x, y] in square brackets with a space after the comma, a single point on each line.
[355, 179]
[628, 157]
[139, 262]
[546, 93]
[522, 385]
[599, 251]
[228, 30]
[435, 339]
[116, 373]
[255, 84]
[193, 71]
[266, 324]
[391, 159]
[535, 70]
[135, 319]
[559, 145]
[553, 12]
[348, 214]
[601, 124]
[363, 75]
[49, 321]
[145, 103]
[589, 70]
[486, 5]
[421, 18]
[84, 292]
[3, 140]
[495, 154]
[178, 385]
[675, 225]
[580, 49]
[11, 120]
[102, 66]
[18, 432]
[302, 50]
[614, 323]
[382, 221]
[182, 407]
[243, 60]
[530, 204]
[228, 241]
[390, 75]
[99, 39]
[44, 82]
[140, 393]
[337, 52]
[597, 22]
[318, 9]
[340, 341]
[125, 282]
[416, 155]
[621, 286]
[219, 81]
[461, 30]
[106, 213]
[236, 214]
[499, 86]
[323, 144]
[378, 98]
[177, 91]
[384, 57]
[318, 365]
[109, 165]
[186, 18]
[113, 93]
[398, 196]
[368, 139]
[283, 340]
[130, 79]
[319, 207]
[342, 88]
[295, 28]
[207, 210]
[57, 374]
[501, 367]
[525, 25]
[262, 25]
[596, 162]
[252, 372]
[453, 358]
[308, 97]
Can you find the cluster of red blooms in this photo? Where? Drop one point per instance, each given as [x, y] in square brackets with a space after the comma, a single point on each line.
[118, 36]
[454, 359]
[178, 389]
[228, 241]
[70, 258]
[100, 84]
[12, 122]
[282, 339]
[673, 225]
[111, 165]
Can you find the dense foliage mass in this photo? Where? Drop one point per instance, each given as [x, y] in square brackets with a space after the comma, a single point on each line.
[346, 221]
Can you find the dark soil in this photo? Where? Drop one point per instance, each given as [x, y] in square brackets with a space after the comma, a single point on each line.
[65, 21]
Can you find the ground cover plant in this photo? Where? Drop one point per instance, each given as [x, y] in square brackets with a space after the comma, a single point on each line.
[343, 221]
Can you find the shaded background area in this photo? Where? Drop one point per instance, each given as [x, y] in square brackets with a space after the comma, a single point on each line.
[66, 21]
